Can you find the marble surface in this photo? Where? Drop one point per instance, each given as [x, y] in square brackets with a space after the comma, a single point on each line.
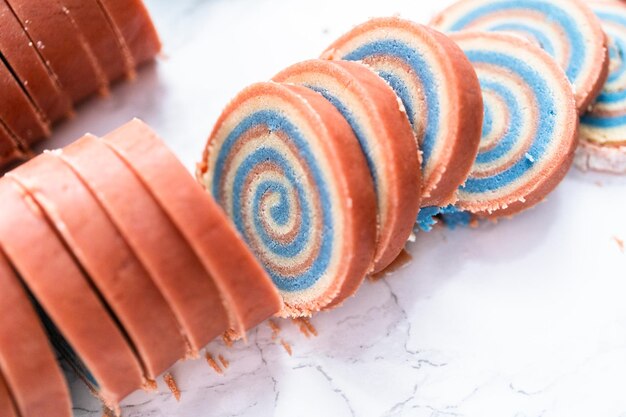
[521, 319]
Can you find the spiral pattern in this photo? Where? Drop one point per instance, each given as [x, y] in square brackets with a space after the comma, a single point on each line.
[606, 123]
[529, 125]
[385, 137]
[567, 30]
[418, 65]
[270, 166]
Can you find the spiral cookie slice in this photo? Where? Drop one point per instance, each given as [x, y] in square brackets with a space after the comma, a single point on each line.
[529, 134]
[439, 90]
[603, 129]
[288, 170]
[384, 133]
[566, 29]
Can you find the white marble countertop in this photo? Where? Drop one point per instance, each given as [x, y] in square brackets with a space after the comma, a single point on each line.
[524, 318]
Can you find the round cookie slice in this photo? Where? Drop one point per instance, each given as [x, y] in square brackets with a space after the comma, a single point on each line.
[27, 361]
[287, 169]
[603, 128]
[566, 29]
[97, 347]
[530, 130]
[438, 88]
[386, 138]
[109, 261]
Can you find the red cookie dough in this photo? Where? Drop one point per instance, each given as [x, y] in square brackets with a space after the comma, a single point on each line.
[7, 408]
[155, 239]
[59, 43]
[108, 260]
[58, 284]
[31, 70]
[17, 112]
[92, 21]
[134, 27]
[26, 358]
[246, 289]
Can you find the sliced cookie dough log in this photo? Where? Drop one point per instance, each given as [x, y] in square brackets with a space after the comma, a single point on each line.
[26, 358]
[386, 138]
[167, 256]
[107, 259]
[566, 29]
[7, 408]
[18, 113]
[102, 356]
[603, 128]
[94, 24]
[30, 69]
[245, 288]
[287, 169]
[60, 44]
[530, 131]
[134, 28]
[438, 89]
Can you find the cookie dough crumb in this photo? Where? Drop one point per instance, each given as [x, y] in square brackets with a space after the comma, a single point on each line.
[213, 364]
[171, 384]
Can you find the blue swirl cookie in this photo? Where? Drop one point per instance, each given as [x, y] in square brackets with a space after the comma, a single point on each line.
[384, 133]
[438, 88]
[566, 29]
[287, 169]
[530, 131]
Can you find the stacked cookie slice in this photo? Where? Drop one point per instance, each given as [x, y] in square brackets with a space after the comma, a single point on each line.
[111, 248]
[56, 53]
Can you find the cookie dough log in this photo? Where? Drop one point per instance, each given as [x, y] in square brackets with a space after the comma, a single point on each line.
[134, 28]
[287, 169]
[167, 256]
[568, 30]
[245, 288]
[7, 408]
[103, 357]
[438, 88]
[30, 69]
[530, 132]
[94, 24]
[18, 114]
[386, 138]
[53, 32]
[603, 128]
[105, 256]
[26, 358]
